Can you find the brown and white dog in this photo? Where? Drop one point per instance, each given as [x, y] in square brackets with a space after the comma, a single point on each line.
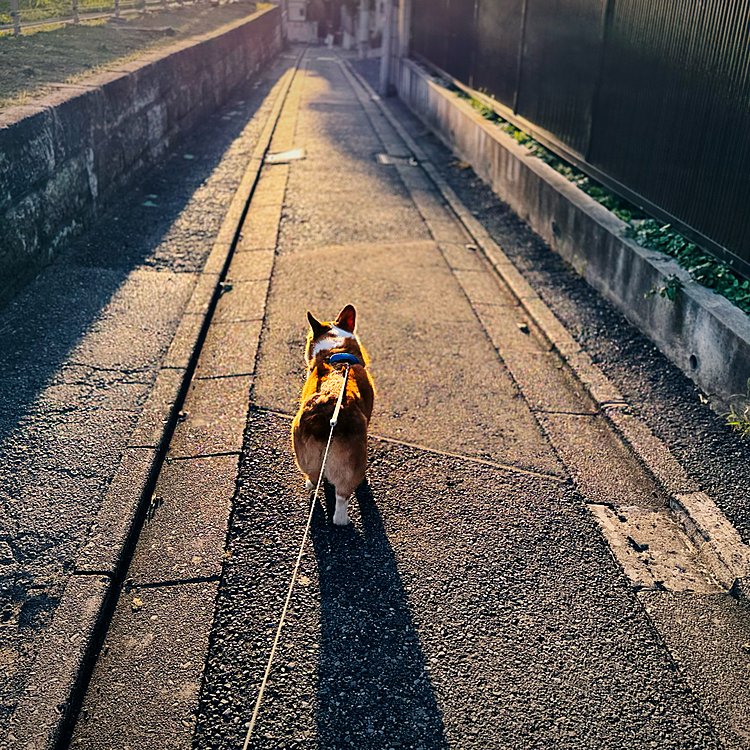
[347, 456]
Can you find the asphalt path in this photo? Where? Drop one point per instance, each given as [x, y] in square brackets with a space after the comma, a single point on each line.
[473, 602]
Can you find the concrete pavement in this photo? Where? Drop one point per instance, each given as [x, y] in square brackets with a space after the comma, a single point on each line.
[474, 602]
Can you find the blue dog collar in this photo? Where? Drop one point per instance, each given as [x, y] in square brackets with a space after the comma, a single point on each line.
[343, 358]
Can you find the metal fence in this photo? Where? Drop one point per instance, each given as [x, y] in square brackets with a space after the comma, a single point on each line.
[651, 97]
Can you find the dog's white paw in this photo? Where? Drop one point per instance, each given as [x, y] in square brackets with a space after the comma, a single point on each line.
[341, 519]
[309, 485]
[341, 514]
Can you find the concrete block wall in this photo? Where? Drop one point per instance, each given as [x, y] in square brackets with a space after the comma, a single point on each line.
[701, 332]
[66, 156]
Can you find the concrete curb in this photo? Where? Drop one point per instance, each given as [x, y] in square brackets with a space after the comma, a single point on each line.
[41, 719]
[701, 332]
[718, 541]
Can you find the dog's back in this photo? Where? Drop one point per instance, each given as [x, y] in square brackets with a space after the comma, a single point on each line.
[347, 457]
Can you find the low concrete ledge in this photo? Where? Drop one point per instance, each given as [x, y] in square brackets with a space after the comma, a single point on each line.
[701, 332]
[64, 158]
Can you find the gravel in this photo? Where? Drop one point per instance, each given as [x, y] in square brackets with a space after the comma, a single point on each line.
[466, 607]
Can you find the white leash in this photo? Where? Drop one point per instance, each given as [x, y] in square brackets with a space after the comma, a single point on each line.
[334, 420]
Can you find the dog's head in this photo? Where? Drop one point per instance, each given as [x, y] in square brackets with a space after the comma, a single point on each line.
[326, 337]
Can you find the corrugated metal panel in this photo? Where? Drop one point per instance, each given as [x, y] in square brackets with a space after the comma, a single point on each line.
[498, 46]
[461, 47]
[560, 67]
[429, 30]
[672, 121]
[653, 94]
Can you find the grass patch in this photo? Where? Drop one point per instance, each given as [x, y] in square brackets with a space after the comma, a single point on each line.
[706, 270]
[32, 62]
[739, 420]
[738, 417]
[38, 10]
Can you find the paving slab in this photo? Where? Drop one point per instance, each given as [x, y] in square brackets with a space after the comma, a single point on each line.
[482, 288]
[251, 266]
[510, 329]
[153, 653]
[229, 349]
[241, 301]
[546, 383]
[214, 420]
[623, 482]
[260, 228]
[462, 257]
[184, 532]
[271, 186]
[438, 377]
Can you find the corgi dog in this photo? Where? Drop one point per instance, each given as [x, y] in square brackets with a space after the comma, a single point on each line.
[347, 456]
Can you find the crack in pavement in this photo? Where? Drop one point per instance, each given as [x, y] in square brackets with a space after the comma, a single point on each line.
[438, 452]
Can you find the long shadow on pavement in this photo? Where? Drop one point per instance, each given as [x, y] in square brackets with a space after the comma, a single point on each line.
[67, 406]
[373, 689]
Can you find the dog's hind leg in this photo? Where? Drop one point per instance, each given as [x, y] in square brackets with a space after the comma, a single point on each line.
[309, 455]
[345, 470]
[341, 514]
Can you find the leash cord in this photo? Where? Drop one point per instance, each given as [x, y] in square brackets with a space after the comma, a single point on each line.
[263, 684]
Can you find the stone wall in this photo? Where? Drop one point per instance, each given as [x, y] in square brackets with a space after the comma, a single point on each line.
[65, 157]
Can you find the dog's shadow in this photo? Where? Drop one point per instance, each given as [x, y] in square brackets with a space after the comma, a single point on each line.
[373, 690]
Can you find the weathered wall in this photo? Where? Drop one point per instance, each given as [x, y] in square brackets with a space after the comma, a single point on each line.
[701, 332]
[64, 157]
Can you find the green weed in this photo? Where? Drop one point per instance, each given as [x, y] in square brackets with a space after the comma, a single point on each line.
[669, 288]
[708, 271]
[738, 417]
[705, 269]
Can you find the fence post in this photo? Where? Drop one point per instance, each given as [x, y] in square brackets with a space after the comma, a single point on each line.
[404, 28]
[474, 43]
[15, 15]
[363, 33]
[385, 49]
[519, 66]
[75, 12]
[117, 8]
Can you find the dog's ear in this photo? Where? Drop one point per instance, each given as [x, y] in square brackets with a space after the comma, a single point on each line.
[346, 319]
[316, 325]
